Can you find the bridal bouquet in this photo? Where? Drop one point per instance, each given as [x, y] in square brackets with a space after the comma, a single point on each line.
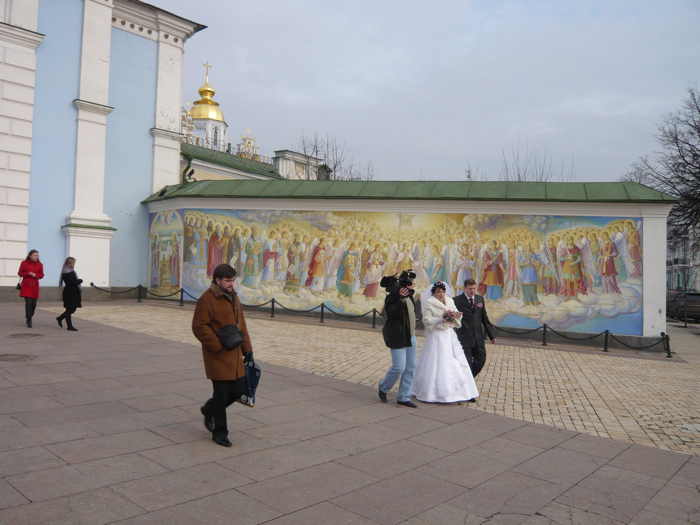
[451, 315]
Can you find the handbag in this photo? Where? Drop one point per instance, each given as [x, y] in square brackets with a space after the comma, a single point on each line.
[252, 379]
[230, 337]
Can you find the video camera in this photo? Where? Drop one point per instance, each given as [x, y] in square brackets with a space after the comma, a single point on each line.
[391, 283]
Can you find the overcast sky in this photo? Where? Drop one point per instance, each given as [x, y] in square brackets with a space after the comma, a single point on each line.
[423, 91]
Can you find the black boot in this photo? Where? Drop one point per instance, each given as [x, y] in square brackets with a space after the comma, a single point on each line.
[28, 311]
[208, 418]
[222, 440]
[69, 322]
[60, 319]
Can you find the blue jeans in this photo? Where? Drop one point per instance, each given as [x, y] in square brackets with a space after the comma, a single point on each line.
[403, 364]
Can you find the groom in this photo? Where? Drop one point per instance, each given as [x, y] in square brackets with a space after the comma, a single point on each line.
[400, 336]
[475, 326]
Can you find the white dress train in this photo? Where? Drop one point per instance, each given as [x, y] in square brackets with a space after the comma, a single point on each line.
[442, 373]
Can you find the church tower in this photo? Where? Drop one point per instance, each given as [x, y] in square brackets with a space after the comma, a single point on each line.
[209, 129]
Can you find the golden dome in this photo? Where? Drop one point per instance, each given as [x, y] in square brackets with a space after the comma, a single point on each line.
[206, 107]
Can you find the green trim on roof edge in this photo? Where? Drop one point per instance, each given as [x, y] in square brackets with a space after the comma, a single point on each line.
[221, 158]
[605, 192]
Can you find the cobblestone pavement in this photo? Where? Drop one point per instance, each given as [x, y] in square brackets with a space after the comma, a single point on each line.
[653, 402]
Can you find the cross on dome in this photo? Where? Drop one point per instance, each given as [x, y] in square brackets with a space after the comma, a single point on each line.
[207, 67]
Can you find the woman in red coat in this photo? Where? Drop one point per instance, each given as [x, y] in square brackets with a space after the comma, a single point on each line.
[30, 270]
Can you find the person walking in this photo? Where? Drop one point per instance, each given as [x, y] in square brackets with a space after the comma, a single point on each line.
[400, 336]
[219, 324]
[31, 271]
[72, 296]
[475, 326]
[443, 374]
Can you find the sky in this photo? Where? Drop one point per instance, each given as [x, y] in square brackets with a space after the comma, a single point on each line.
[428, 90]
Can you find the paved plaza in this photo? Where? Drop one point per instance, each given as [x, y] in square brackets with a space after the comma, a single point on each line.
[645, 399]
[102, 426]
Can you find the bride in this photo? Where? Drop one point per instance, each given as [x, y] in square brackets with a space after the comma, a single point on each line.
[442, 374]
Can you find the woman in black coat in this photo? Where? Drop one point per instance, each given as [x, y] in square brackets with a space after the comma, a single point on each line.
[71, 293]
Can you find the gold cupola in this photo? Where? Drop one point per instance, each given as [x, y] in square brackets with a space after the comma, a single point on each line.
[206, 107]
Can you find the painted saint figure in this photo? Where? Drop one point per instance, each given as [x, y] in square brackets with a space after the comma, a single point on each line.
[528, 264]
[550, 275]
[316, 277]
[294, 255]
[374, 273]
[269, 257]
[174, 260]
[608, 270]
[492, 279]
[512, 277]
[215, 252]
[573, 282]
[253, 262]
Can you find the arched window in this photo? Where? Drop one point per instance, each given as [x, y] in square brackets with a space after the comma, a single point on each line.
[216, 137]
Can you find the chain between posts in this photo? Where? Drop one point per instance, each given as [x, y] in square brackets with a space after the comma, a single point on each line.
[142, 292]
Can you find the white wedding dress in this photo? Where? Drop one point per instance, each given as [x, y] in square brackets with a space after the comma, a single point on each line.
[442, 373]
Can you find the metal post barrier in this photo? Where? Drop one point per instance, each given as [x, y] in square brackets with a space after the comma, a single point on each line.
[605, 341]
[272, 307]
[544, 334]
[139, 293]
[685, 311]
[374, 318]
[323, 307]
[667, 344]
[182, 297]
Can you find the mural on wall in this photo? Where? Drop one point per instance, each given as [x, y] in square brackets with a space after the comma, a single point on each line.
[165, 253]
[574, 273]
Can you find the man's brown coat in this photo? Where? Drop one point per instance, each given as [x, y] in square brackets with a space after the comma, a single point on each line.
[215, 310]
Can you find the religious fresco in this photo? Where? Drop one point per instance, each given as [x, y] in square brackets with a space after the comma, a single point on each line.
[574, 273]
[165, 253]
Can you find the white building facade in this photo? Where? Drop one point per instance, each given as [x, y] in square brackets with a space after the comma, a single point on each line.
[90, 123]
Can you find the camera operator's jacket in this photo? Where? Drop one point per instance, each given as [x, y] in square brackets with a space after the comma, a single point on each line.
[214, 311]
[397, 328]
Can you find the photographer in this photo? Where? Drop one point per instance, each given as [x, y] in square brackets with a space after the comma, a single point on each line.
[400, 336]
[219, 324]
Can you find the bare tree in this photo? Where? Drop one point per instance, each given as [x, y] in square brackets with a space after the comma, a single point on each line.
[638, 172]
[676, 168]
[310, 148]
[333, 155]
[521, 165]
[472, 173]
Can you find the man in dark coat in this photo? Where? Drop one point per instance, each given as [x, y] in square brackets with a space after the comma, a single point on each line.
[475, 326]
[400, 336]
[217, 308]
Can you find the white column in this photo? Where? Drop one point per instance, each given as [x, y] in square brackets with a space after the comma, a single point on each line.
[18, 43]
[654, 272]
[166, 133]
[88, 231]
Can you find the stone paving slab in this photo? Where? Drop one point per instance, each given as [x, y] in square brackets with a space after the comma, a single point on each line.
[318, 450]
[577, 390]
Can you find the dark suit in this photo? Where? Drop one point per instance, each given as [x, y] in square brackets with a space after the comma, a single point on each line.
[475, 327]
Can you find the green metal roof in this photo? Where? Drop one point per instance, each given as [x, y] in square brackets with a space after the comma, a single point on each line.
[221, 158]
[612, 192]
